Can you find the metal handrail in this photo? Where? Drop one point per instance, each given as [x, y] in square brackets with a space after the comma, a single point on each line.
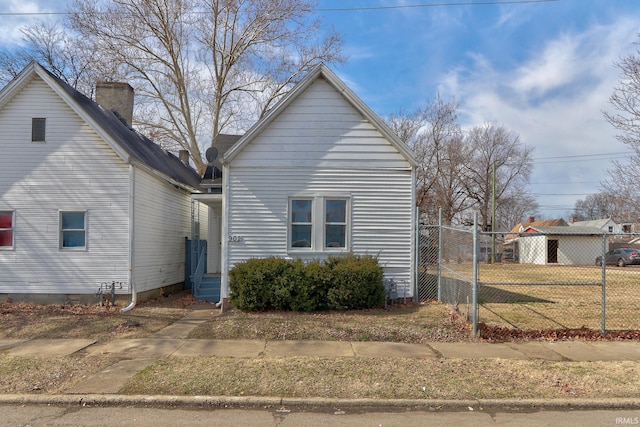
[199, 271]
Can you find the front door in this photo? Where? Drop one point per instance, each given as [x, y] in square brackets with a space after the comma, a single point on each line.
[552, 251]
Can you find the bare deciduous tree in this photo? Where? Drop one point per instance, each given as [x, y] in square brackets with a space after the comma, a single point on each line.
[495, 148]
[51, 45]
[620, 185]
[515, 205]
[435, 136]
[203, 67]
[455, 171]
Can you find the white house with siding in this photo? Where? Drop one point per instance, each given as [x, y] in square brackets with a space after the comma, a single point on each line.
[319, 174]
[562, 245]
[607, 225]
[84, 199]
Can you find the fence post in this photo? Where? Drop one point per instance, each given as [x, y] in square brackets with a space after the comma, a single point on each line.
[474, 290]
[416, 259]
[439, 255]
[604, 284]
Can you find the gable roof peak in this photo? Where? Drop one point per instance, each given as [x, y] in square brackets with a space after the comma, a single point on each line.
[130, 145]
[321, 71]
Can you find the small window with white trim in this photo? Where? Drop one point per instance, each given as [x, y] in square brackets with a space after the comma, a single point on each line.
[319, 223]
[38, 129]
[6, 229]
[73, 230]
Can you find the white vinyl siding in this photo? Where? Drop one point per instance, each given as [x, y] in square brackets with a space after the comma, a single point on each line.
[572, 250]
[74, 171]
[162, 221]
[320, 146]
[380, 213]
[320, 129]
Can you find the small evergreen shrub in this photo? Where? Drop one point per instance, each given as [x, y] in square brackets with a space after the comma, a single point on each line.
[356, 283]
[339, 283]
[255, 284]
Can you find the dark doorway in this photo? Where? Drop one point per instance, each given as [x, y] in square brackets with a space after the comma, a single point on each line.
[552, 251]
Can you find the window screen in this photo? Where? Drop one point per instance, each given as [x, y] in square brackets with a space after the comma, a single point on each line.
[38, 129]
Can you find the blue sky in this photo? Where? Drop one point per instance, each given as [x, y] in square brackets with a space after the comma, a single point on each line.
[544, 69]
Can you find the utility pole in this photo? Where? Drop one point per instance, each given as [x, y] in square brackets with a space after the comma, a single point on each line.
[493, 215]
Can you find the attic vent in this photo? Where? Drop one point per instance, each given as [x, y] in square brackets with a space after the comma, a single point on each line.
[38, 129]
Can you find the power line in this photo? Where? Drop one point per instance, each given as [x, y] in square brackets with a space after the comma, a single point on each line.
[577, 156]
[342, 9]
[408, 6]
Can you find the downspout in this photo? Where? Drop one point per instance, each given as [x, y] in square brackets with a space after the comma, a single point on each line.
[224, 284]
[134, 294]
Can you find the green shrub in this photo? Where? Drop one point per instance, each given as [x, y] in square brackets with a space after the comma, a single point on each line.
[314, 288]
[257, 283]
[339, 283]
[356, 283]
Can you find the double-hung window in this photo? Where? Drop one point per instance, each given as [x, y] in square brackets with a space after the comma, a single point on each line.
[319, 223]
[73, 230]
[6, 229]
[301, 215]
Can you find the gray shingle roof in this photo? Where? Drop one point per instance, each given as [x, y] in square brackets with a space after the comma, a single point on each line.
[136, 145]
[566, 230]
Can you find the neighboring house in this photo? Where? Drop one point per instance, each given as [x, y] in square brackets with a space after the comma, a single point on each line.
[320, 174]
[607, 225]
[560, 245]
[510, 245]
[84, 199]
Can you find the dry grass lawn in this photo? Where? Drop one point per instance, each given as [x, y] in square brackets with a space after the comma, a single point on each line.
[533, 297]
[353, 377]
[362, 377]
[409, 324]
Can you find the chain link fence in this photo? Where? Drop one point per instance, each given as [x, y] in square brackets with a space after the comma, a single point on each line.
[547, 279]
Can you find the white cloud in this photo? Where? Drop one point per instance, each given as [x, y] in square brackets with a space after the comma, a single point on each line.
[10, 24]
[554, 101]
[553, 67]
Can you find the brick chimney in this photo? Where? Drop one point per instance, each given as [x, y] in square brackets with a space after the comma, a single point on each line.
[532, 219]
[183, 155]
[116, 97]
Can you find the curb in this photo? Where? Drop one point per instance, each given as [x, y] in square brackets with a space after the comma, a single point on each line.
[322, 404]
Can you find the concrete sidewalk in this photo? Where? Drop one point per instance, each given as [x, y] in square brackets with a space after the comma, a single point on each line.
[136, 354]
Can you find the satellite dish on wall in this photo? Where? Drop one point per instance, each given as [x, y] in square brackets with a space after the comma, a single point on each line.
[211, 154]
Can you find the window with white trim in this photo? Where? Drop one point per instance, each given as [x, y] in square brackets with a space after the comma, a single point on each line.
[6, 229]
[73, 230]
[301, 229]
[319, 223]
[38, 129]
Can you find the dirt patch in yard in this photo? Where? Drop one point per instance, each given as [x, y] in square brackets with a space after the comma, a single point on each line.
[40, 321]
[35, 375]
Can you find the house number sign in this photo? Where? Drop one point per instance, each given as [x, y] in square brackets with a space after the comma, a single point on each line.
[235, 239]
